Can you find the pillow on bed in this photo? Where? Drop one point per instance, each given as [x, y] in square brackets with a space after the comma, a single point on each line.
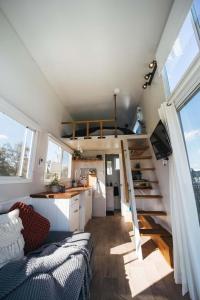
[36, 227]
[11, 239]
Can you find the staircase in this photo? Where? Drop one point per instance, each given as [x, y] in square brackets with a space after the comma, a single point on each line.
[144, 194]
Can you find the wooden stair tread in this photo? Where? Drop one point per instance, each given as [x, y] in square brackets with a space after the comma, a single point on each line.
[142, 187]
[163, 239]
[148, 196]
[151, 213]
[153, 181]
[154, 231]
[141, 157]
[142, 169]
[138, 148]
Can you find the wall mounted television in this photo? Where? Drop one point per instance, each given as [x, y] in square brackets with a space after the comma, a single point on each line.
[160, 142]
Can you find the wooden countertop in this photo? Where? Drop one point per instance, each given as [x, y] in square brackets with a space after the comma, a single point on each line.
[69, 193]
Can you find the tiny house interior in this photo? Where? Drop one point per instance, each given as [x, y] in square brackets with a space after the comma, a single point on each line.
[99, 149]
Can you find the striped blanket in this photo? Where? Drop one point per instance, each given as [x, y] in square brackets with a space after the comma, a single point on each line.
[57, 271]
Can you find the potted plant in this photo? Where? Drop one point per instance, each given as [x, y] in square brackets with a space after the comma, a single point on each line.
[55, 184]
[76, 154]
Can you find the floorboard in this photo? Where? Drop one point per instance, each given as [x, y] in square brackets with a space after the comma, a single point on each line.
[118, 275]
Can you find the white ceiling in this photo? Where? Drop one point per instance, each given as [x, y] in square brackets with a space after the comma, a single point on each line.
[87, 48]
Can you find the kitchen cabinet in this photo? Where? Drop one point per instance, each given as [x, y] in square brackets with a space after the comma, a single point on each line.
[85, 208]
[63, 214]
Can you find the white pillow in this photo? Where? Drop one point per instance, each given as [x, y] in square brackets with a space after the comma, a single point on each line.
[11, 239]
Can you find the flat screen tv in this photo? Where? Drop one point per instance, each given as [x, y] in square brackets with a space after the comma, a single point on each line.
[160, 142]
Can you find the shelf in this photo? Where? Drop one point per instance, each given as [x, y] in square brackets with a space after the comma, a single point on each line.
[141, 157]
[87, 160]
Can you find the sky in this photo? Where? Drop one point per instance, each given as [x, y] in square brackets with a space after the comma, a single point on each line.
[190, 119]
[10, 131]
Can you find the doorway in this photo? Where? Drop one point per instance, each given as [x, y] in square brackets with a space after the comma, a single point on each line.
[113, 195]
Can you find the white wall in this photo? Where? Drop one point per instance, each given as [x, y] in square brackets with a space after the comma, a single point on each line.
[150, 101]
[24, 86]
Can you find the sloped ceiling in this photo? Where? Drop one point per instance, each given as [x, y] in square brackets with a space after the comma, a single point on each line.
[86, 48]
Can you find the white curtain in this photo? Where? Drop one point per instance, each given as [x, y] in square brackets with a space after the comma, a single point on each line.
[184, 218]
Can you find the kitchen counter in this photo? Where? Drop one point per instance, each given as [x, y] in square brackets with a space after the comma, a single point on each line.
[69, 193]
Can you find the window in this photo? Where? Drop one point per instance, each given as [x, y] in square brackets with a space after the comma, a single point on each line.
[16, 148]
[58, 161]
[183, 53]
[117, 165]
[189, 116]
[109, 167]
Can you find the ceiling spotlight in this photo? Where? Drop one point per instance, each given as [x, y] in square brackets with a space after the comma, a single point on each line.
[144, 86]
[152, 64]
[147, 76]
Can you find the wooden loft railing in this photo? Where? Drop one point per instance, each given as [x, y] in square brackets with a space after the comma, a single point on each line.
[87, 126]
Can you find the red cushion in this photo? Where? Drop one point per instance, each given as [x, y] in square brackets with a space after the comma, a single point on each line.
[36, 227]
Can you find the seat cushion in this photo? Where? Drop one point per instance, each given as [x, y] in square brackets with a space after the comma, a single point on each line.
[36, 227]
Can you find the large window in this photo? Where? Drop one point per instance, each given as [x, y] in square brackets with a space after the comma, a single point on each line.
[16, 147]
[58, 161]
[189, 116]
[184, 51]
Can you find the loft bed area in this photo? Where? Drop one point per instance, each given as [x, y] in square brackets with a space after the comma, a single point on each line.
[87, 130]
[103, 128]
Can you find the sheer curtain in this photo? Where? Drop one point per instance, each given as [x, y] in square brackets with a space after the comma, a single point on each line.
[184, 218]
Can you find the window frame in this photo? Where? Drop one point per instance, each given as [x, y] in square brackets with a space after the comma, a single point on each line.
[25, 121]
[178, 109]
[165, 79]
[63, 148]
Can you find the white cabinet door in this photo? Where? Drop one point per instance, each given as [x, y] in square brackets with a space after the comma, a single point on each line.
[55, 210]
[82, 211]
[88, 204]
[74, 217]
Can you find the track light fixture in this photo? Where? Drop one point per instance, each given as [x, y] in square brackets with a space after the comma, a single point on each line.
[149, 76]
[145, 85]
[152, 64]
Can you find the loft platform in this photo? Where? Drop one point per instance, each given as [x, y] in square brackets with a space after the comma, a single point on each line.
[110, 142]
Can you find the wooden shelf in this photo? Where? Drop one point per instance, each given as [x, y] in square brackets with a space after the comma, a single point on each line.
[87, 160]
[148, 196]
[143, 169]
[151, 213]
[141, 157]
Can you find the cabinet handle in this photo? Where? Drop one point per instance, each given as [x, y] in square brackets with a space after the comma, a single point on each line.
[75, 210]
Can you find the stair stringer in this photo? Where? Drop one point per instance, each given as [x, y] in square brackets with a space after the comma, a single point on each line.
[132, 202]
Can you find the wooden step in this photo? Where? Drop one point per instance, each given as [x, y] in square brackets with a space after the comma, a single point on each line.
[154, 181]
[142, 187]
[143, 169]
[151, 213]
[148, 196]
[163, 242]
[138, 148]
[141, 157]
[154, 232]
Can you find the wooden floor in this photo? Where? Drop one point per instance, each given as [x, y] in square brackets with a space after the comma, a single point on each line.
[118, 275]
